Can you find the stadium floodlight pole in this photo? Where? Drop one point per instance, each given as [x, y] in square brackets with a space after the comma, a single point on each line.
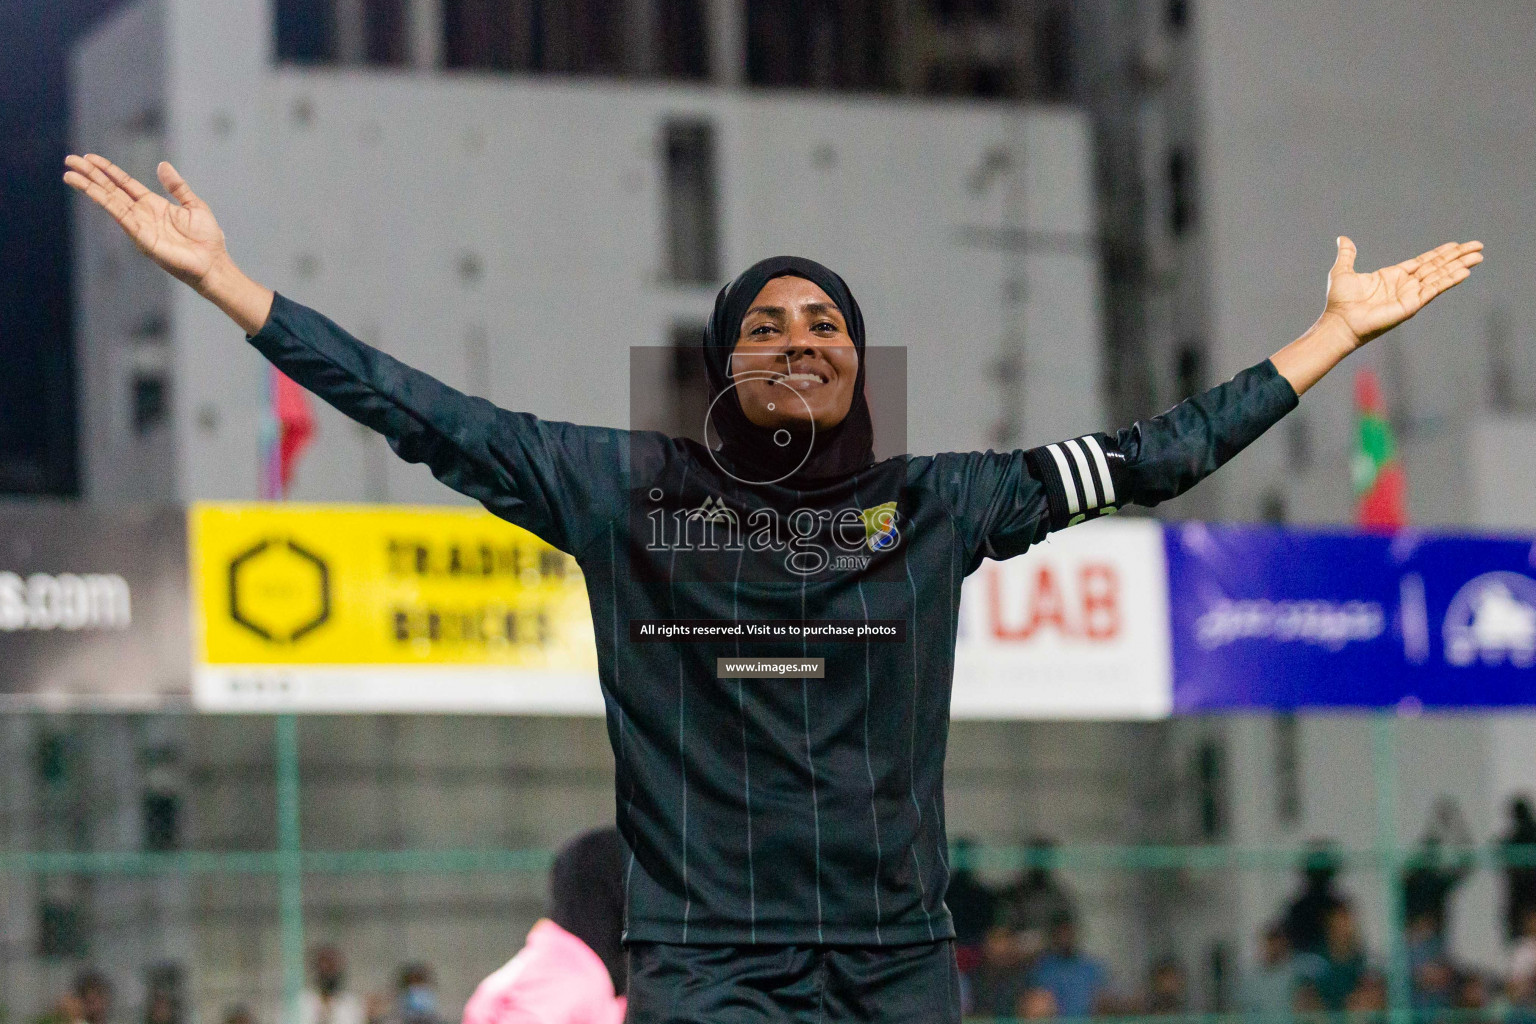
[845, 877]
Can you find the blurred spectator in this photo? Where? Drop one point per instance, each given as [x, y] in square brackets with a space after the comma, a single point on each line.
[1434, 985]
[1270, 987]
[572, 969]
[94, 994]
[65, 1011]
[328, 1002]
[972, 905]
[1522, 959]
[1369, 996]
[1339, 968]
[1167, 988]
[1435, 874]
[378, 1006]
[1520, 896]
[160, 1007]
[238, 1013]
[162, 1000]
[1521, 997]
[1306, 919]
[1472, 998]
[415, 999]
[999, 984]
[1305, 1001]
[1079, 982]
[1038, 897]
[1036, 1004]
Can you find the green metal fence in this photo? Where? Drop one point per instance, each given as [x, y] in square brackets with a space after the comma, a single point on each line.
[290, 862]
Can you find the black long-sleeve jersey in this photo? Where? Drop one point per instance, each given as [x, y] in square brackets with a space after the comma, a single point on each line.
[772, 810]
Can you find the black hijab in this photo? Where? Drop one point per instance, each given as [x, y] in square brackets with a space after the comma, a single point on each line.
[748, 449]
[586, 895]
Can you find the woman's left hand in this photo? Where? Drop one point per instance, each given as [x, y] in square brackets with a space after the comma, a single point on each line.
[1372, 304]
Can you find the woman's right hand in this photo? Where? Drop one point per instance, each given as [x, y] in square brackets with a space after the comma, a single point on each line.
[182, 237]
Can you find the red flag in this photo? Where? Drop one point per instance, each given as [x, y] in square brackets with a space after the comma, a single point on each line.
[293, 423]
[1381, 486]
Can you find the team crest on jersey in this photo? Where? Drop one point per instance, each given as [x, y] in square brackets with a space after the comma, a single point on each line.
[713, 510]
[880, 526]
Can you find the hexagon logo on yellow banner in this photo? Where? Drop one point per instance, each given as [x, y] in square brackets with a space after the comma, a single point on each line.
[294, 584]
[279, 590]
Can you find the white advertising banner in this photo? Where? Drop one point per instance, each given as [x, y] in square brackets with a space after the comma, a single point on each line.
[1077, 627]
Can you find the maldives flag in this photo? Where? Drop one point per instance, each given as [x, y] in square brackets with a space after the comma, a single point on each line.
[1381, 488]
[290, 428]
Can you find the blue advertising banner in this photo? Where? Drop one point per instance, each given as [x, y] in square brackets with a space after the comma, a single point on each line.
[1272, 619]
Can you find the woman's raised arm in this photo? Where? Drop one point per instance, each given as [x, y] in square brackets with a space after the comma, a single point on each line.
[559, 480]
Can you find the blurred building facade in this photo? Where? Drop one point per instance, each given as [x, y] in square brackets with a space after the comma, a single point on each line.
[512, 203]
[1402, 127]
[584, 216]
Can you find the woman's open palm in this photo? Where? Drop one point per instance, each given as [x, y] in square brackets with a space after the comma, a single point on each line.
[182, 236]
[1371, 304]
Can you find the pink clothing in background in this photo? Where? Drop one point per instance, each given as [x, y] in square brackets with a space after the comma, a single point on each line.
[554, 979]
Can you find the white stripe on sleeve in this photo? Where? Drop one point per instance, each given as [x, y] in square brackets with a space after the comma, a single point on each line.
[1103, 466]
[1066, 477]
[1090, 495]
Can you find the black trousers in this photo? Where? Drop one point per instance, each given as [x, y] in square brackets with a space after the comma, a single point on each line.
[918, 984]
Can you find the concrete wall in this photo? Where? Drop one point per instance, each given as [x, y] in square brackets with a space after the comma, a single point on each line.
[1402, 125]
[506, 235]
[122, 302]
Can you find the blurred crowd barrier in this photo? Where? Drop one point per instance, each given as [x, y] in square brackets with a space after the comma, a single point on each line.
[181, 867]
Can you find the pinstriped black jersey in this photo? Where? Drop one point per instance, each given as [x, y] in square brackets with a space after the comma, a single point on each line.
[772, 810]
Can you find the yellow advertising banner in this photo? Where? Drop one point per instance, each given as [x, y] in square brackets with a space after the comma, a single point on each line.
[294, 602]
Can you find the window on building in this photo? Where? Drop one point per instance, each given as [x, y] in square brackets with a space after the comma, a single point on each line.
[150, 401]
[691, 215]
[689, 400]
[1053, 52]
[585, 37]
[1272, 508]
[684, 40]
[983, 80]
[1298, 443]
[386, 33]
[1189, 369]
[373, 32]
[962, 11]
[306, 31]
[572, 37]
[1210, 789]
[485, 34]
[825, 44]
[1181, 191]
[162, 822]
[52, 758]
[1287, 770]
[669, 38]
[61, 932]
[1177, 13]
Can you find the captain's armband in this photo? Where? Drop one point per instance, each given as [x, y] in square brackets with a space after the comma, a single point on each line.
[1084, 478]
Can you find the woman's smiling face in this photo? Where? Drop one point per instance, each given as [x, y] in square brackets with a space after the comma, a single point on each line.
[794, 363]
